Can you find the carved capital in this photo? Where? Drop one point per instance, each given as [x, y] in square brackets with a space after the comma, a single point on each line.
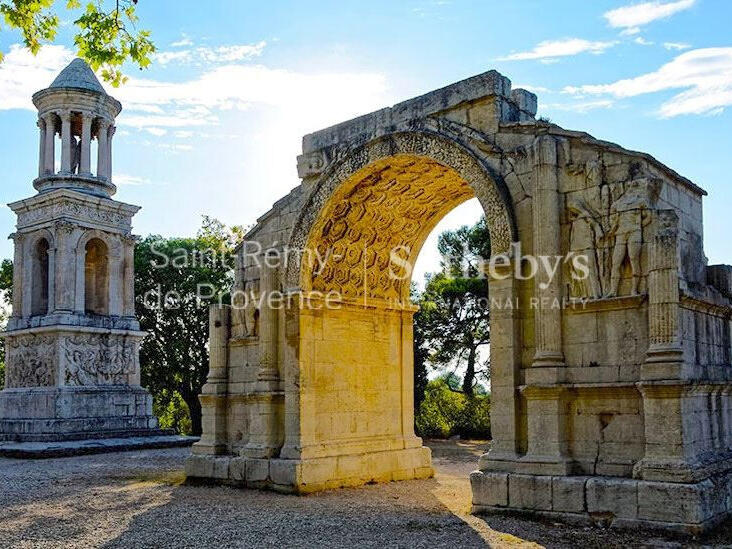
[65, 115]
[17, 237]
[64, 227]
[129, 239]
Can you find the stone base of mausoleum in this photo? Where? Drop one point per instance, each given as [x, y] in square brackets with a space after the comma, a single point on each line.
[76, 413]
[303, 476]
[606, 501]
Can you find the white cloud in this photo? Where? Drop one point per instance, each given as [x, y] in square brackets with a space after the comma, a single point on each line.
[632, 17]
[705, 75]
[159, 132]
[580, 107]
[183, 42]
[678, 46]
[126, 179]
[183, 134]
[22, 74]
[208, 55]
[642, 41]
[551, 49]
[532, 89]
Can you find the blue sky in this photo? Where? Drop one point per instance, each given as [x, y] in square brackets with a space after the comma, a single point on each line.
[214, 126]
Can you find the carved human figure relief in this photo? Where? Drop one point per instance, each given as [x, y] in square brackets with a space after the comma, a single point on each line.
[629, 214]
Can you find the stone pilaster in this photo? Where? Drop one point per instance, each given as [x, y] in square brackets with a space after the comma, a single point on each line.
[268, 323]
[18, 267]
[546, 412]
[213, 395]
[116, 279]
[664, 359]
[265, 433]
[128, 304]
[65, 263]
[547, 289]
[505, 350]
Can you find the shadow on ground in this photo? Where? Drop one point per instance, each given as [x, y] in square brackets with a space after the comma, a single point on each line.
[138, 499]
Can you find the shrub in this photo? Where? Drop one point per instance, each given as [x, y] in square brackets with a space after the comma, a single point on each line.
[445, 412]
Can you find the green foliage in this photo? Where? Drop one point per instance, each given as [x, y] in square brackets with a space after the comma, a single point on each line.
[445, 412]
[6, 288]
[453, 319]
[106, 36]
[176, 279]
[172, 411]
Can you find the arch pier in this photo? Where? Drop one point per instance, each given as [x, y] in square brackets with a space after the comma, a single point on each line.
[611, 377]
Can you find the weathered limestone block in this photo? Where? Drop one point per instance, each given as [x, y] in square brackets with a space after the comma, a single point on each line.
[489, 489]
[530, 492]
[612, 497]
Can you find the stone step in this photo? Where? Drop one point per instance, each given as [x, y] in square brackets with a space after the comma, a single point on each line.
[41, 450]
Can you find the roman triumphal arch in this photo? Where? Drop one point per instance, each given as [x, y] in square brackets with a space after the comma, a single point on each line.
[611, 375]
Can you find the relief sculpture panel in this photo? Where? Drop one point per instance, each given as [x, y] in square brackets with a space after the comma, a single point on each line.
[608, 222]
[98, 360]
[31, 361]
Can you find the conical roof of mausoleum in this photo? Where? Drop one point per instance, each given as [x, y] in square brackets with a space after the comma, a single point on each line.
[78, 74]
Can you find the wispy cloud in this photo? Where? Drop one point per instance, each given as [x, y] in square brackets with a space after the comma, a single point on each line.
[552, 49]
[631, 18]
[642, 41]
[126, 179]
[579, 106]
[678, 46]
[22, 73]
[296, 102]
[183, 42]
[207, 55]
[705, 75]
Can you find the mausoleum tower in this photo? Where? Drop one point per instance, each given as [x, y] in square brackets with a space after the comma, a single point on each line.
[72, 342]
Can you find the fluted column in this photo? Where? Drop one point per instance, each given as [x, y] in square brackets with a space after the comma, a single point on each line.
[110, 135]
[665, 355]
[49, 156]
[85, 161]
[547, 239]
[41, 147]
[66, 144]
[103, 148]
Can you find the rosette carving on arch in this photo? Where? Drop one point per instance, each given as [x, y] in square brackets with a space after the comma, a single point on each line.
[387, 196]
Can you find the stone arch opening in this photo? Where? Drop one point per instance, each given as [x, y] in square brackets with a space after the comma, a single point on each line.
[40, 284]
[362, 229]
[96, 277]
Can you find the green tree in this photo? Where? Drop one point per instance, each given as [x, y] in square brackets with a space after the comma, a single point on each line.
[106, 34]
[6, 296]
[454, 310]
[175, 281]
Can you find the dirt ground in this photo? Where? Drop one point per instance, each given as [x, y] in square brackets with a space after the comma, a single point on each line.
[138, 499]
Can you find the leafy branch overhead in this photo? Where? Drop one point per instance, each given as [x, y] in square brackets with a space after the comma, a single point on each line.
[106, 35]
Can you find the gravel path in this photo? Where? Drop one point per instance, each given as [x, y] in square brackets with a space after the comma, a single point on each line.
[137, 499]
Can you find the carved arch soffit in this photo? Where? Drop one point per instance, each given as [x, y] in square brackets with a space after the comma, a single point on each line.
[444, 154]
